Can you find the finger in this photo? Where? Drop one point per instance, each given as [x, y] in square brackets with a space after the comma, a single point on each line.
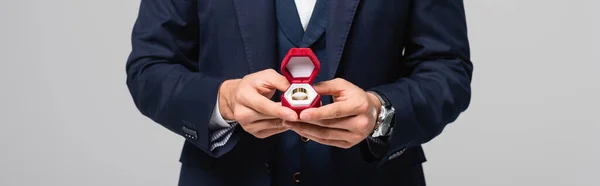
[267, 107]
[264, 125]
[320, 132]
[339, 123]
[332, 111]
[270, 132]
[335, 143]
[252, 99]
[271, 79]
[244, 114]
[332, 87]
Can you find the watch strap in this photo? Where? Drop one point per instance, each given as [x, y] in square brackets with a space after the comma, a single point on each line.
[384, 100]
[385, 117]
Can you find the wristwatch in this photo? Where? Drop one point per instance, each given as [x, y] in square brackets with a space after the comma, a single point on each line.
[384, 120]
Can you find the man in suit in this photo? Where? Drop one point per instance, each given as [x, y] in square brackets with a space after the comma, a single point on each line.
[393, 74]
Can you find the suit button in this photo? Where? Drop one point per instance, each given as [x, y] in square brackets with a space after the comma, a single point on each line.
[296, 177]
[304, 139]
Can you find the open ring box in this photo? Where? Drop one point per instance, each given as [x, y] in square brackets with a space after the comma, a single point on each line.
[300, 66]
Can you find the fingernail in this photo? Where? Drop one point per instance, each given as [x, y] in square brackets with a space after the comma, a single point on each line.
[305, 116]
[291, 117]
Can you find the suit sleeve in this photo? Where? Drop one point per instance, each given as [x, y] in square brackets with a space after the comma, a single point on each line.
[438, 88]
[162, 70]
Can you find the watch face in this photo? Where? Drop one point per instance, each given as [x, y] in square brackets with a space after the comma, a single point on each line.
[384, 128]
[384, 122]
[377, 133]
[382, 114]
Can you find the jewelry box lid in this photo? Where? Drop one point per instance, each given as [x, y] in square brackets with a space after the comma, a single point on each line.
[300, 65]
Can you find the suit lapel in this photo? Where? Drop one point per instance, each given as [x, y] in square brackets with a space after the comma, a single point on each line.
[289, 20]
[256, 19]
[317, 24]
[341, 16]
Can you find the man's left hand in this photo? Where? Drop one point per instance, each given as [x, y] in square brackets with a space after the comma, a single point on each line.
[344, 123]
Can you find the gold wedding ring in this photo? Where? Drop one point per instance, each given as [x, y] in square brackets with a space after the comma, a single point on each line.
[299, 94]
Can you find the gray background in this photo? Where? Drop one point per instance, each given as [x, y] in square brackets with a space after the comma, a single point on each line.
[67, 118]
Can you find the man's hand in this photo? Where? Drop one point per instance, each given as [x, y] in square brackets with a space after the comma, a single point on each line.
[344, 123]
[247, 101]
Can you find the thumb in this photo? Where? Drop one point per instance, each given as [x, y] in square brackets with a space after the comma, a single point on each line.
[331, 87]
[277, 81]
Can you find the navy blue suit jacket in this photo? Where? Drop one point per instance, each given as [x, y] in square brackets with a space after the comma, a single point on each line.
[415, 52]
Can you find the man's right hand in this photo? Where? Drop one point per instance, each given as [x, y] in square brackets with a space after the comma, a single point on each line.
[247, 101]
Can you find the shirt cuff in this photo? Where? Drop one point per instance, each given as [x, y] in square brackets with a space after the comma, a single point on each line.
[217, 121]
[220, 137]
[220, 130]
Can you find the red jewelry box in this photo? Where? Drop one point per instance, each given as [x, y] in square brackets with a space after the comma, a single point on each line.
[300, 66]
